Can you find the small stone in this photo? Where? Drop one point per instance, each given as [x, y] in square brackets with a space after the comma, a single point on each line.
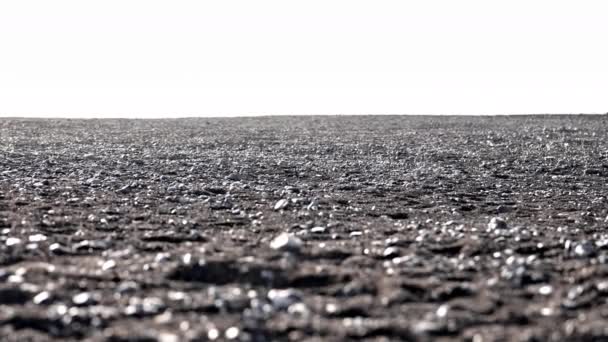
[442, 311]
[90, 245]
[144, 307]
[281, 204]
[187, 258]
[286, 242]
[497, 223]
[234, 177]
[127, 287]
[602, 286]
[331, 308]
[108, 265]
[15, 278]
[42, 298]
[232, 333]
[83, 298]
[176, 296]
[545, 290]
[168, 337]
[584, 249]
[124, 189]
[391, 252]
[313, 205]
[501, 209]
[12, 241]
[213, 334]
[298, 309]
[282, 299]
[546, 311]
[427, 327]
[37, 238]
[318, 230]
[58, 249]
[576, 292]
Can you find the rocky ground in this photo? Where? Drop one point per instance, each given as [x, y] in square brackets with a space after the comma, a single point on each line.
[304, 229]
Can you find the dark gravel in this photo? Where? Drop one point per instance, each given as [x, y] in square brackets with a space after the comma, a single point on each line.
[304, 229]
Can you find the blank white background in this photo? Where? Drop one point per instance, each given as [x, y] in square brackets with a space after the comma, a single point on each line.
[147, 58]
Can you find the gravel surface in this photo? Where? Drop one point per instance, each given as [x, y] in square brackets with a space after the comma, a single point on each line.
[304, 229]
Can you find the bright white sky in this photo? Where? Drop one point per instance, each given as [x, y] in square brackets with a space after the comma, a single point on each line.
[176, 58]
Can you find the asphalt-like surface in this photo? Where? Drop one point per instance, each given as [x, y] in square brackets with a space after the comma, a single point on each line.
[304, 228]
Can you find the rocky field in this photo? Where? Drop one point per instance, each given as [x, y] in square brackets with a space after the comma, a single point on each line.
[375, 228]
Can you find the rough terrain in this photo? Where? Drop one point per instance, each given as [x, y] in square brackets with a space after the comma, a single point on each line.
[376, 228]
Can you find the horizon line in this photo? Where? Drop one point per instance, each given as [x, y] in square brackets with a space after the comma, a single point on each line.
[236, 116]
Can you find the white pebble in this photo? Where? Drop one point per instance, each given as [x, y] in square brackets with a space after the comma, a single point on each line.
[286, 242]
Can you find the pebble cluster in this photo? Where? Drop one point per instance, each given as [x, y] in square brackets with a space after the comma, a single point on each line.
[304, 228]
